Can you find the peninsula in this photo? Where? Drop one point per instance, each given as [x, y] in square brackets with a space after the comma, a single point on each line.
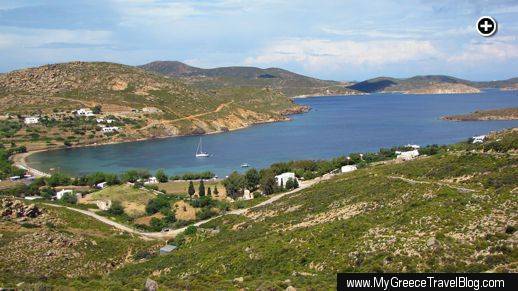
[481, 115]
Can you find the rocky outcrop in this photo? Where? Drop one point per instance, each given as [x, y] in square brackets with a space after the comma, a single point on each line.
[12, 208]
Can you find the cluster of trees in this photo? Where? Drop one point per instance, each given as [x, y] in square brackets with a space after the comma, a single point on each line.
[8, 128]
[201, 189]
[6, 166]
[236, 183]
[194, 176]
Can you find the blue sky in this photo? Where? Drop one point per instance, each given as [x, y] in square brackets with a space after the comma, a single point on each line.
[341, 40]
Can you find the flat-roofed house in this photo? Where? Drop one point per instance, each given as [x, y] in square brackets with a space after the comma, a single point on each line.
[31, 120]
[167, 249]
[348, 168]
[109, 129]
[406, 156]
[84, 112]
[283, 178]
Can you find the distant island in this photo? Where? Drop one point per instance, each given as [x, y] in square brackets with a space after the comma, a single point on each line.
[484, 115]
[431, 84]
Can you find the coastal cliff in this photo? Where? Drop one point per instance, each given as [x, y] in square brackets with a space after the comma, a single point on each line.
[443, 88]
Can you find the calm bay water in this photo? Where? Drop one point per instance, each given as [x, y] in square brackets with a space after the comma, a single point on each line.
[336, 125]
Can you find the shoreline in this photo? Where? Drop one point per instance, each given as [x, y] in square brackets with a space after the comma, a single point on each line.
[324, 95]
[20, 159]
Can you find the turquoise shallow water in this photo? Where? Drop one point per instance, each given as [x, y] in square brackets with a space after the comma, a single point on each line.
[336, 125]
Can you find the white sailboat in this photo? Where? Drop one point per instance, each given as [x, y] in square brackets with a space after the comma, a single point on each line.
[199, 151]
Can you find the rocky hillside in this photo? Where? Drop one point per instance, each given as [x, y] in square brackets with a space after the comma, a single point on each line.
[40, 243]
[179, 108]
[455, 211]
[433, 84]
[495, 114]
[289, 83]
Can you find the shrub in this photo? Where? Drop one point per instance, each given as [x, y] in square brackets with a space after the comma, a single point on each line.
[161, 176]
[191, 229]
[116, 208]
[69, 198]
[157, 204]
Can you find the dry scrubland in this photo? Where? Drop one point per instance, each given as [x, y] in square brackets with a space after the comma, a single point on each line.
[172, 107]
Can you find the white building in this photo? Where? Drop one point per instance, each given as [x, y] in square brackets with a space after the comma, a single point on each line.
[479, 139]
[247, 195]
[167, 249]
[61, 193]
[348, 168]
[151, 180]
[84, 112]
[102, 185]
[31, 120]
[102, 120]
[405, 156]
[283, 178]
[107, 129]
[414, 146]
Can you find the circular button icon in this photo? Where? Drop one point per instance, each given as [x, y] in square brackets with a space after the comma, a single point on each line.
[486, 26]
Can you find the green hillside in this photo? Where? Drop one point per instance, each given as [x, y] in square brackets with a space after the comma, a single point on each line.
[431, 82]
[451, 212]
[291, 84]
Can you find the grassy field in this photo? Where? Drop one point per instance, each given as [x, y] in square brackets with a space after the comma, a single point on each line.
[180, 187]
[133, 200]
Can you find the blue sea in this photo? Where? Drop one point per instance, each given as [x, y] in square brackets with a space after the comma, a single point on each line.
[336, 125]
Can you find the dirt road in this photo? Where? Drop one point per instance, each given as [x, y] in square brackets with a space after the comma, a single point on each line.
[175, 232]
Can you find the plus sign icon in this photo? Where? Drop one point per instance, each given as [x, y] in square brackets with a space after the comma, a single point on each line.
[486, 26]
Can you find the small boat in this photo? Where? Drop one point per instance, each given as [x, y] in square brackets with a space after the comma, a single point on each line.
[245, 165]
[199, 151]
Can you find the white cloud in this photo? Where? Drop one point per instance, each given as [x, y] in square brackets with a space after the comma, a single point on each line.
[147, 13]
[321, 54]
[486, 52]
[402, 33]
[39, 37]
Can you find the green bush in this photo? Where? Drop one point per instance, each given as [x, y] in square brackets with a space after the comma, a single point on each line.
[190, 230]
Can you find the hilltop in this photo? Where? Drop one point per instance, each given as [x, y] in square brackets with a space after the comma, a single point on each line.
[432, 84]
[289, 83]
[153, 104]
[452, 211]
